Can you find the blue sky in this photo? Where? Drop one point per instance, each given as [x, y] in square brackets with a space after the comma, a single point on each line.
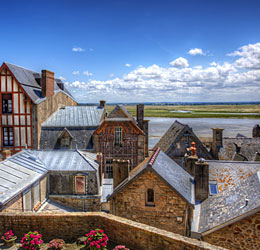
[138, 51]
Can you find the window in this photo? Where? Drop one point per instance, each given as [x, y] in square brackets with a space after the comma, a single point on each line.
[118, 136]
[65, 142]
[7, 104]
[109, 171]
[8, 136]
[150, 198]
[213, 187]
[80, 185]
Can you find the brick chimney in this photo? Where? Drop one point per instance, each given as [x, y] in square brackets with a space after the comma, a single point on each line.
[217, 142]
[140, 115]
[6, 153]
[120, 171]
[47, 83]
[99, 159]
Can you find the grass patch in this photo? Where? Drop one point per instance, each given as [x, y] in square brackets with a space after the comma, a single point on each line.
[197, 111]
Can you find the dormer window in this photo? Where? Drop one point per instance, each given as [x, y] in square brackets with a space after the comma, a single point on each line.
[118, 136]
[80, 184]
[7, 104]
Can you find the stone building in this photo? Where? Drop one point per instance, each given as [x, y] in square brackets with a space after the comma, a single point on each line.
[68, 177]
[158, 192]
[72, 127]
[177, 139]
[28, 98]
[120, 136]
[231, 218]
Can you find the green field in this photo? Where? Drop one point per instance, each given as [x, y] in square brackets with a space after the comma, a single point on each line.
[198, 111]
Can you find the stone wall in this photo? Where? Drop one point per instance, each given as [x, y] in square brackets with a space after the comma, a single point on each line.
[43, 189]
[48, 107]
[70, 226]
[81, 203]
[242, 235]
[15, 205]
[168, 205]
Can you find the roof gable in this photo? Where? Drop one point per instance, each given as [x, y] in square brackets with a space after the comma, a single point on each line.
[168, 171]
[120, 112]
[28, 81]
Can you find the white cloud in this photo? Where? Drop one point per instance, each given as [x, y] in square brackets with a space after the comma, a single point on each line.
[180, 63]
[76, 72]
[249, 56]
[217, 82]
[128, 65]
[195, 52]
[77, 49]
[111, 75]
[87, 73]
[62, 78]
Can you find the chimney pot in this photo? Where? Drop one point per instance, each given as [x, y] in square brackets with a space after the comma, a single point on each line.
[102, 103]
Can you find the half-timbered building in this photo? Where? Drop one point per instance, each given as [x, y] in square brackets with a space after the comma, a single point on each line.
[27, 99]
[120, 136]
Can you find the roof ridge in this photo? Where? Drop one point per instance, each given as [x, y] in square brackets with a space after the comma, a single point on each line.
[85, 159]
[21, 67]
[153, 158]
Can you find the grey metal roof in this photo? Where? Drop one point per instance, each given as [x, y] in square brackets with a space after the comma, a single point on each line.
[17, 173]
[230, 173]
[75, 116]
[230, 204]
[27, 78]
[66, 160]
[174, 175]
[107, 189]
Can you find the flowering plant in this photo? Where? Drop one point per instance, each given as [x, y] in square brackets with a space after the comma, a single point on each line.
[56, 244]
[32, 240]
[8, 235]
[96, 239]
[121, 247]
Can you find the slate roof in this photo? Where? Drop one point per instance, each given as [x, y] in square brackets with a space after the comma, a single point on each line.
[173, 135]
[27, 78]
[75, 116]
[168, 170]
[17, 173]
[249, 147]
[222, 209]
[230, 173]
[66, 160]
[81, 138]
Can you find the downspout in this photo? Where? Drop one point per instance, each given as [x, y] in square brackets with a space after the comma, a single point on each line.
[186, 218]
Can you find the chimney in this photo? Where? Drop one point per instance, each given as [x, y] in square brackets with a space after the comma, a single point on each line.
[99, 160]
[102, 103]
[146, 140]
[6, 153]
[217, 142]
[199, 170]
[140, 115]
[120, 171]
[256, 131]
[47, 83]
[201, 180]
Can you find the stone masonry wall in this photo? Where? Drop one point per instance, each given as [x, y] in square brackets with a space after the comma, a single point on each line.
[48, 107]
[242, 235]
[82, 203]
[70, 226]
[131, 204]
[43, 188]
[15, 205]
